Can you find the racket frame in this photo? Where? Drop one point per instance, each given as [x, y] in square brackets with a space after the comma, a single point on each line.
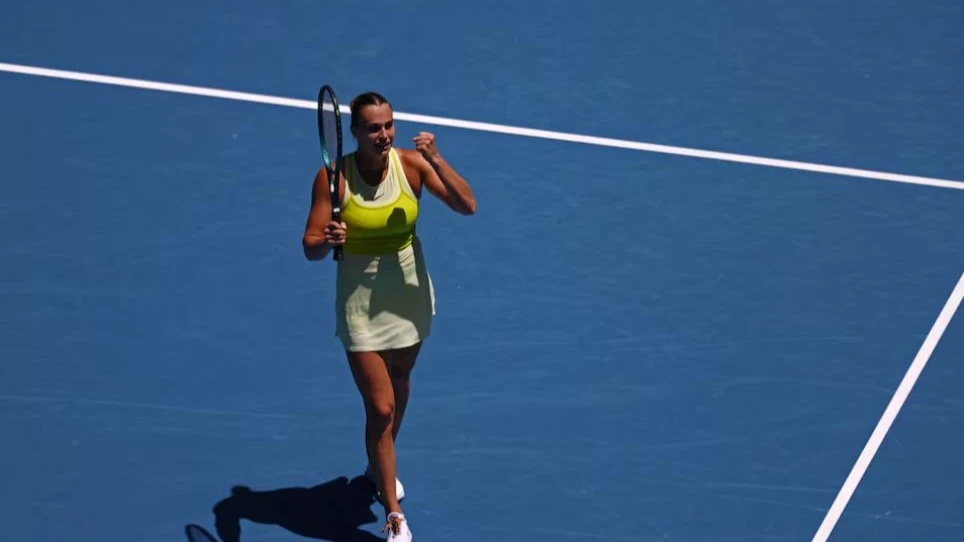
[332, 163]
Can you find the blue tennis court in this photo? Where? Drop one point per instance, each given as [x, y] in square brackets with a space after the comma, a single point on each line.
[629, 346]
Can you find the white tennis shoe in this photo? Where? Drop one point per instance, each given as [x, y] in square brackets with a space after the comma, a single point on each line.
[399, 489]
[397, 528]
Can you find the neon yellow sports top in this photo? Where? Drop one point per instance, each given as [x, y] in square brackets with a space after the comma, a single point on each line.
[380, 219]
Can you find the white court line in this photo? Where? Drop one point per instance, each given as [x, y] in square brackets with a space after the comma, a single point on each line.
[488, 127]
[896, 402]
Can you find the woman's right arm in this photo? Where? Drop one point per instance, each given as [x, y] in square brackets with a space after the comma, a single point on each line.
[313, 242]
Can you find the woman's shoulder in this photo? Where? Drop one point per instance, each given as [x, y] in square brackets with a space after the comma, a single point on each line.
[413, 159]
[407, 156]
[412, 166]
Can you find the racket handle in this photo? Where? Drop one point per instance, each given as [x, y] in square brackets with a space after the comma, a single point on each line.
[337, 252]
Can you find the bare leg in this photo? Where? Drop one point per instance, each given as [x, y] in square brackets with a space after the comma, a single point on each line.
[371, 374]
[400, 365]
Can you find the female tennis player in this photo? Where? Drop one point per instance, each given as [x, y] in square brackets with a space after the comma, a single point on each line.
[385, 300]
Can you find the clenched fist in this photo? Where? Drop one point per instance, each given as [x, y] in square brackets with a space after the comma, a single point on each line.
[425, 144]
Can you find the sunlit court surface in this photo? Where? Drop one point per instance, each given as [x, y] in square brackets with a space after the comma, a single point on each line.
[711, 292]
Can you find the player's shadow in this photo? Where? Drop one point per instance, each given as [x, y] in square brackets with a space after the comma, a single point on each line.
[333, 511]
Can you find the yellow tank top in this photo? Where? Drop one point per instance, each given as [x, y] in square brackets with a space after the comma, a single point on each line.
[380, 219]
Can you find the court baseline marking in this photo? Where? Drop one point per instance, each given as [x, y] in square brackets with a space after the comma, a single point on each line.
[890, 413]
[489, 127]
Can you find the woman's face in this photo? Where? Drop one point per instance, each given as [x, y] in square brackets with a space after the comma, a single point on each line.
[374, 129]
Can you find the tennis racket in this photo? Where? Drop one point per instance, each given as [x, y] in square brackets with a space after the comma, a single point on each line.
[329, 133]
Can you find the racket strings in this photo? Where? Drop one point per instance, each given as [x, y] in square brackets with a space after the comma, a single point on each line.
[330, 129]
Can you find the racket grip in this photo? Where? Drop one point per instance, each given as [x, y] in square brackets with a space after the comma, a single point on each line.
[337, 253]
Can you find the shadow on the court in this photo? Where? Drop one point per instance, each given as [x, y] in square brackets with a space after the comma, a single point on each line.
[333, 511]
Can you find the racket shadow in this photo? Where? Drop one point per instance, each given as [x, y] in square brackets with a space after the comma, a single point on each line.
[332, 511]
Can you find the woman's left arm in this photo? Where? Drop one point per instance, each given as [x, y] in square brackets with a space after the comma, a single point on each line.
[441, 179]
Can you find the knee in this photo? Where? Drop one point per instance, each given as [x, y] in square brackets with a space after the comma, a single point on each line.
[381, 410]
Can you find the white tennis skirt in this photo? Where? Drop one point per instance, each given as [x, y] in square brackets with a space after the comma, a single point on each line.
[384, 301]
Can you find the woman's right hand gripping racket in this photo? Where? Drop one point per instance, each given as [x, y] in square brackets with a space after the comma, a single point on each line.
[329, 133]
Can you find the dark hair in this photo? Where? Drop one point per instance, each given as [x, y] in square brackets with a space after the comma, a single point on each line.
[365, 99]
